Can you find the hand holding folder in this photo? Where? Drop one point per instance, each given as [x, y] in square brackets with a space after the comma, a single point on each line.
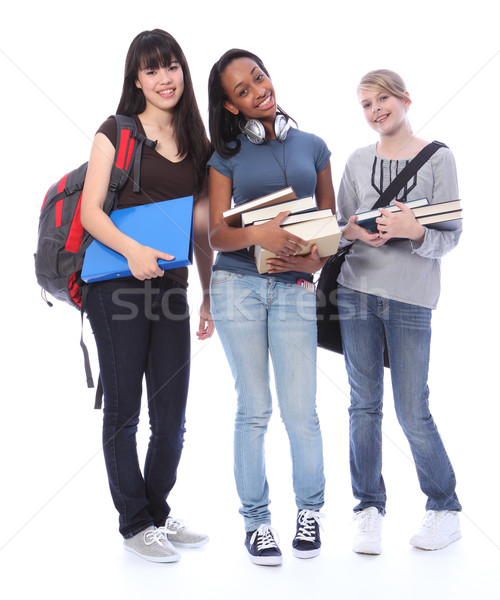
[163, 226]
[143, 261]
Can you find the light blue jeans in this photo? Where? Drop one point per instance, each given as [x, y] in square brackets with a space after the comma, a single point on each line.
[363, 320]
[256, 317]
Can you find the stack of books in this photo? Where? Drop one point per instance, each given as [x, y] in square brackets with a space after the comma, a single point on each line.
[233, 215]
[425, 213]
[317, 227]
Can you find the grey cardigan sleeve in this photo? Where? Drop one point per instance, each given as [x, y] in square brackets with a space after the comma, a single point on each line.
[442, 238]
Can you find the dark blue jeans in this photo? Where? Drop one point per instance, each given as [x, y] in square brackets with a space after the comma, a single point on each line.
[141, 329]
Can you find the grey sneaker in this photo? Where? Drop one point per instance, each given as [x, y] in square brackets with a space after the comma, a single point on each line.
[175, 531]
[152, 545]
[368, 538]
[439, 529]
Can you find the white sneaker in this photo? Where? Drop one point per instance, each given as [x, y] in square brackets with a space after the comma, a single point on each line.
[368, 539]
[439, 529]
[152, 545]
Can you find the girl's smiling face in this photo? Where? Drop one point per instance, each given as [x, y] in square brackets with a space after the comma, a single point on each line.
[162, 86]
[249, 90]
[384, 112]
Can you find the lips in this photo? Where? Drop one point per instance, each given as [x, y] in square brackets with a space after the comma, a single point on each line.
[382, 118]
[268, 102]
[167, 93]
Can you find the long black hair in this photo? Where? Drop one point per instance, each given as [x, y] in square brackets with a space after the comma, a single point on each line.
[157, 49]
[224, 127]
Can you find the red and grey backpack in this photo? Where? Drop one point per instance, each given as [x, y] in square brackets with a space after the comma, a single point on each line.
[62, 241]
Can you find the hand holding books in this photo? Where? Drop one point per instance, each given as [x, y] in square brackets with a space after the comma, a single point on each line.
[400, 224]
[278, 240]
[402, 220]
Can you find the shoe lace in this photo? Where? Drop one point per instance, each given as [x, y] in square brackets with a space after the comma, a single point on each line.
[307, 520]
[153, 536]
[367, 522]
[264, 535]
[171, 527]
[434, 518]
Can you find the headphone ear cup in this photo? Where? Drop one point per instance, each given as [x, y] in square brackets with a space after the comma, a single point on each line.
[281, 127]
[254, 130]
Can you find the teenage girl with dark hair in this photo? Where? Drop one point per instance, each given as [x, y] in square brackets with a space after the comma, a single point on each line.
[141, 323]
[260, 315]
[388, 286]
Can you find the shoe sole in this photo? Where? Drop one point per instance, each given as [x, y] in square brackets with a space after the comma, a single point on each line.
[369, 552]
[158, 559]
[454, 538]
[266, 561]
[188, 544]
[306, 553]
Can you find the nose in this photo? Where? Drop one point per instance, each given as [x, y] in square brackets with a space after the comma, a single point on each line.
[165, 75]
[375, 107]
[260, 90]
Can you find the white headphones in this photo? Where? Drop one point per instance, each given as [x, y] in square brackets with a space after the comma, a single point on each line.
[255, 132]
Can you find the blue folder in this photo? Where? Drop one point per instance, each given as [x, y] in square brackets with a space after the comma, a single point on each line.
[165, 226]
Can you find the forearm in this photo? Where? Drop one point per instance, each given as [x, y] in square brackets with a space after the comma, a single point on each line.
[203, 255]
[225, 238]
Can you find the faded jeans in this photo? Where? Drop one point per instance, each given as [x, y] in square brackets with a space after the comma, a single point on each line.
[257, 317]
[363, 319]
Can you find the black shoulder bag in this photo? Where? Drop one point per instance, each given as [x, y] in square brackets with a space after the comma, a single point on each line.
[326, 307]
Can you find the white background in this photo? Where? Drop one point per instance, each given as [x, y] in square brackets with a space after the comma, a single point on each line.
[61, 68]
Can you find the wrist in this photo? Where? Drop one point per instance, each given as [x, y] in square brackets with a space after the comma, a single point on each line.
[418, 234]
[129, 248]
[348, 234]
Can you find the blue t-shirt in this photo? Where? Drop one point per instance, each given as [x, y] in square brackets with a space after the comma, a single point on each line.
[258, 170]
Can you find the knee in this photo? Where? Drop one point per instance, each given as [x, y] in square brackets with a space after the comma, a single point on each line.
[371, 405]
[253, 416]
[301, 423]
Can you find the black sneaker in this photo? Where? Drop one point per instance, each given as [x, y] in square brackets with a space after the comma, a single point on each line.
[262, 548]
[307, 542]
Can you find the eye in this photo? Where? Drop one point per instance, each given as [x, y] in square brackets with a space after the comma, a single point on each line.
[242, 92]
[366, 105]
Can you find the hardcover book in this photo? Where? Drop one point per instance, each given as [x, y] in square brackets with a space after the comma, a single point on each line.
[232, 216]
[368, 218]
[301, 205]
[424, 212]
[323, 232]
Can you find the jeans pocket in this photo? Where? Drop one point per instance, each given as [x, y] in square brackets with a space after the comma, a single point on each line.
[220, 277]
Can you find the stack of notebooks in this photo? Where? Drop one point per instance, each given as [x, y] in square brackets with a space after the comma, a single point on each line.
[317, 227]
[425, 213]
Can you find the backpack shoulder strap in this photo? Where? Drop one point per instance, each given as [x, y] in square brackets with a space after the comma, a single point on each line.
[407, 173]
[129, 144]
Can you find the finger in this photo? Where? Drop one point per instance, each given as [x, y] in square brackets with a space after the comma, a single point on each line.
[314, 252]
[165, 256]
[296, 245]
[281, 216]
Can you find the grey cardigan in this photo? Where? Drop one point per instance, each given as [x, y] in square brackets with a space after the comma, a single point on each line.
[400, 270]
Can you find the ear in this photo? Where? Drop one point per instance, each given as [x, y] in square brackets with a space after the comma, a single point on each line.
[231, 107]
[408, 101]
[138, 84]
